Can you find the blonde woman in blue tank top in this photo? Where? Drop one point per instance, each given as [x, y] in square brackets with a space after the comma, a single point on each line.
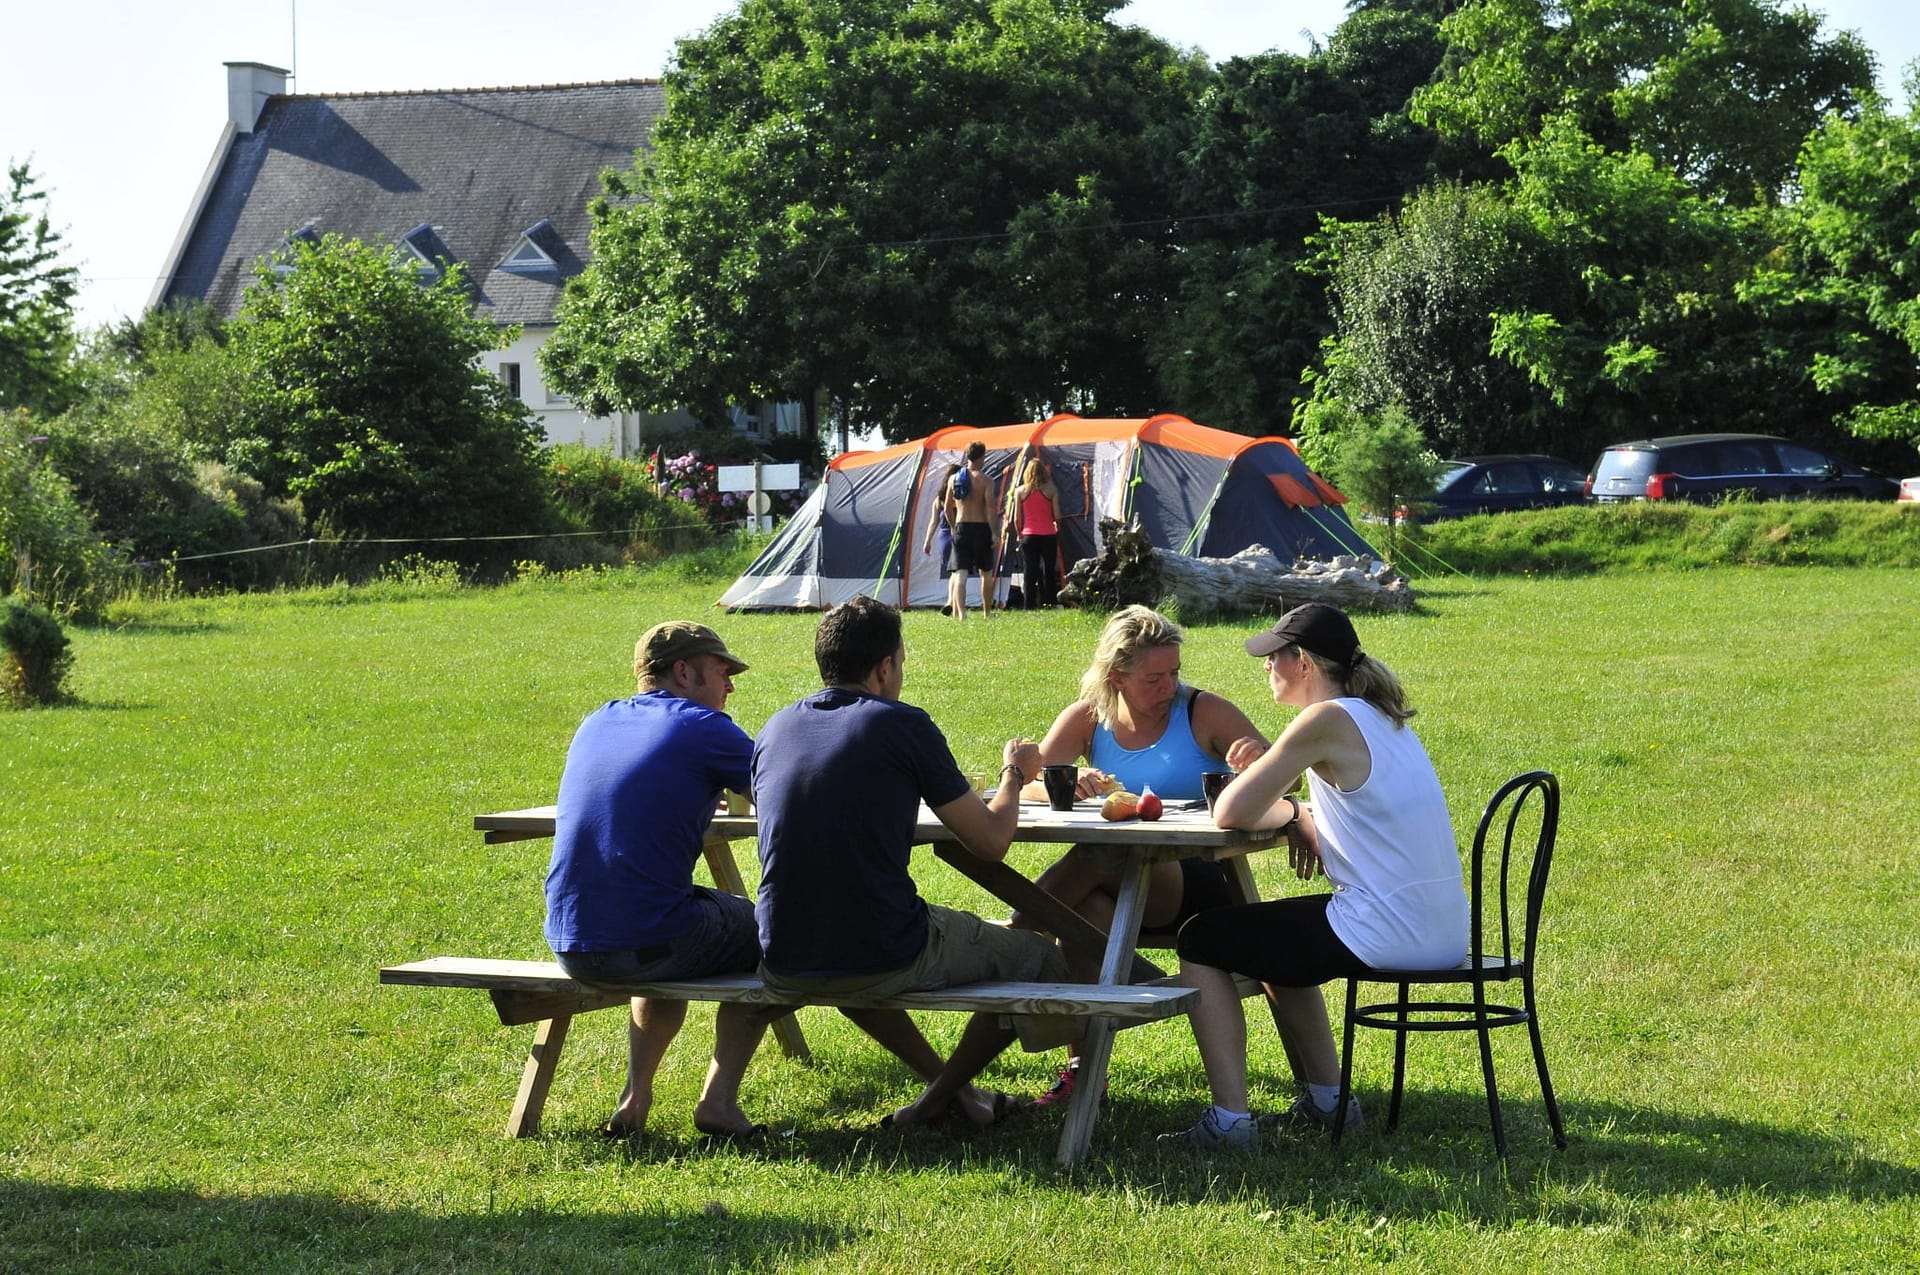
[1135, 721]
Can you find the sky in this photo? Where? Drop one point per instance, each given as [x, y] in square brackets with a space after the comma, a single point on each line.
[117, 104]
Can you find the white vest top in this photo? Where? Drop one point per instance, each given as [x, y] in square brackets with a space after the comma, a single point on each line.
[1387, 846]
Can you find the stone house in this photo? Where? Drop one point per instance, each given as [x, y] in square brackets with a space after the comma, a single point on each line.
[496, 178]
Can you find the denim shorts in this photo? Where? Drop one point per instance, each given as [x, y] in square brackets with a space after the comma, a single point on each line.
[724, 939]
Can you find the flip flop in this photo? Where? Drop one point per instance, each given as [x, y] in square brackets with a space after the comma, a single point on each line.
[1005, 1106]
[613, 1132]
[751, 1134]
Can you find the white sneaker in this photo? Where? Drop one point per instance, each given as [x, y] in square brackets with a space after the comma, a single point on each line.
[1304, 1115]
[1210, 1134]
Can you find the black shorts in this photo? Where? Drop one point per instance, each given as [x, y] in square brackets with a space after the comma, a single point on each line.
[1286, 942]
[972, 548]
[1203, 887]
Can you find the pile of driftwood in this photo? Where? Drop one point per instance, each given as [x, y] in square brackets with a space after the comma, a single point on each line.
[1130, 570]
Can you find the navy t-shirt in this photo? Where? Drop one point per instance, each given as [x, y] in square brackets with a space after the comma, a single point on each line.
[642, 780]
[838, 779]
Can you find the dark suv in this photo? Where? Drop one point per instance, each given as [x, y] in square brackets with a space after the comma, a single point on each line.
[1710, 467]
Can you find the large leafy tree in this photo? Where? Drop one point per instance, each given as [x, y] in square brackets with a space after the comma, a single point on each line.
[949, 210]
[1648, 144]
[364, 398]
[1280, 142]
[1719, 93]
[1414, 295]
[36, 299]
[1858, 223]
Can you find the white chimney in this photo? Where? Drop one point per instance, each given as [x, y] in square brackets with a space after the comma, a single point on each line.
[249, 85]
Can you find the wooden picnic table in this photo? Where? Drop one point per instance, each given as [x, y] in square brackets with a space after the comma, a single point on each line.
[1182, 832]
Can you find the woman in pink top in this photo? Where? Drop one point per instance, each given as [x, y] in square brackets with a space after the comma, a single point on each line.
[1039, 537]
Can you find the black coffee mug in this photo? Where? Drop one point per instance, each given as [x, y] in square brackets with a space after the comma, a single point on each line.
[1060, 782]
[1211, 783]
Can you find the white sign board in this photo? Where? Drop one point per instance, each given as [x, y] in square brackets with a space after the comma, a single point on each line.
[772, 477]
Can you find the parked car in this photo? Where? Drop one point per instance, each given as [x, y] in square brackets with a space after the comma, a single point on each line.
[1495, 484]
[1909, 489]
[1709, 467]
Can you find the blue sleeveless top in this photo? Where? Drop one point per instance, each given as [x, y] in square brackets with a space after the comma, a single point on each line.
[1171, 765]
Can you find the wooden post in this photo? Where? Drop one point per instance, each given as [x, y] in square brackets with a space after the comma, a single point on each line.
[726, 876]
[537, 1077]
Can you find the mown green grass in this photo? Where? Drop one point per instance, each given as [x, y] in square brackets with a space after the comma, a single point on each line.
[258, 801]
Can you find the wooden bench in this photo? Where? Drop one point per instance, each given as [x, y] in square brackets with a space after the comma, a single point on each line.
[540, 992]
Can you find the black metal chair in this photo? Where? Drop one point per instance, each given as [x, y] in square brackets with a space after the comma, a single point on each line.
[1523, 858]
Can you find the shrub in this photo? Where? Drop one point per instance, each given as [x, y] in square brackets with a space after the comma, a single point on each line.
[34, 656]
[364, 397]
[1383, 462]
[48, 546]
[594, 490]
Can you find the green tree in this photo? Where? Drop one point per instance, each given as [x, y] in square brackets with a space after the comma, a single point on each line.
[1382, 462]
[951, 210]
[1645, 329]
[1647, 142]
[48, 548]
[1414, 297]
[364, 398]
[1719, 93]
[36, 299]
[1858, 222]
[1281, 141]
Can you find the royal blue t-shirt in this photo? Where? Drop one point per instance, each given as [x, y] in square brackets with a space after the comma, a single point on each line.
[838, 779]
[642, 780]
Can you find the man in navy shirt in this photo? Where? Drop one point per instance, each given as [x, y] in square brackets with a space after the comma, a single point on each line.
[642, 781]
[838, 779]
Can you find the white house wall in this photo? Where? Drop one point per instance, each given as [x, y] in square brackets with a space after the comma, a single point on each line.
[624, 433]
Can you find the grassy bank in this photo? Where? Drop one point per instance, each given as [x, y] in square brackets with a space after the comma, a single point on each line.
[258, 801]
[1642, 537]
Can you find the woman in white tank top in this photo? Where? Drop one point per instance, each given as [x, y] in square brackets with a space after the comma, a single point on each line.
[1380, 831]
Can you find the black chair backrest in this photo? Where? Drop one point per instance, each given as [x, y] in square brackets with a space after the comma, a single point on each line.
[1528, 857]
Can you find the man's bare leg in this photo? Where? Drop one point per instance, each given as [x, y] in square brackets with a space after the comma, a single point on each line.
[737, 1030]
[901, 1037]
[650, 1030]
[981, 1042]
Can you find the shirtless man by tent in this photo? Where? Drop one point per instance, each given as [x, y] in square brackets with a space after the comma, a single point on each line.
[970, 495]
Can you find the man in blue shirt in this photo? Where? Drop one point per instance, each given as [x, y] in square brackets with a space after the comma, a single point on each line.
[642, 781]
[838, 779]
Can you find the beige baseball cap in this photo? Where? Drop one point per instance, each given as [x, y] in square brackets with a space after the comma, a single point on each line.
[674, 640]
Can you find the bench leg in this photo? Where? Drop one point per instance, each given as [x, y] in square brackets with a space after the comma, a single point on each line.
[726, 876]
[1076, 1135]
[786, 1030]
[537, 1076]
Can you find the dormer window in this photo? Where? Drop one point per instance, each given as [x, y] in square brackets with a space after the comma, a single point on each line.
[421, 265]
[425, 252]
[288, 254]
[529, 255]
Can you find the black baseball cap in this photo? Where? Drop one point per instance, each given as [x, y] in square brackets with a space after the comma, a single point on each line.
[1326, 631]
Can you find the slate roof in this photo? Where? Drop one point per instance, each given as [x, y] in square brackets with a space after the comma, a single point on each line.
[468, 172]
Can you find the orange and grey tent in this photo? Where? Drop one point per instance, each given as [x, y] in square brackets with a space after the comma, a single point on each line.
[1193, 490]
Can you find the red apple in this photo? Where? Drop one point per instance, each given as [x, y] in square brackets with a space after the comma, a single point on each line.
[1149, 805]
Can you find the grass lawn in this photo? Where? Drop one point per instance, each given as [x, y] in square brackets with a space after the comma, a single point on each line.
[258, 801]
